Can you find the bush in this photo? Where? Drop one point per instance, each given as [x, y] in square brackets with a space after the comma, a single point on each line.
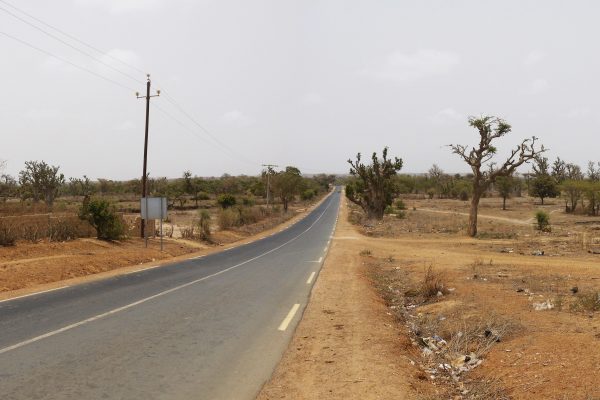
[226, 200]
[389, 210]
[228, 218]
[202, 196]
[401, 214]
[187, 232]
[464, 195]
[247, 201]
[400, 204]
[433, 283]
[588, 302]
[62, 230]
[8, 236]
[102, 215]
[543, 221]
[204, 225]
[249, 215]
[308, 194]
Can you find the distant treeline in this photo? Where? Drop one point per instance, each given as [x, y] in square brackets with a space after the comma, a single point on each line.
[39, 181]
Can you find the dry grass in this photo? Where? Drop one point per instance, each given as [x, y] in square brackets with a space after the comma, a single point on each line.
[586, 302]
[433, 283]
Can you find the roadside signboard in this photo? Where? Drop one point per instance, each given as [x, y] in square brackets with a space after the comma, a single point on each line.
[154, 208]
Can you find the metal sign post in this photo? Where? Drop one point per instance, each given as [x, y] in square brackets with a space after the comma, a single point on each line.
[154, 208]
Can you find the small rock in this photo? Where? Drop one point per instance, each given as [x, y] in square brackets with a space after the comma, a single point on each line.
[574, 289]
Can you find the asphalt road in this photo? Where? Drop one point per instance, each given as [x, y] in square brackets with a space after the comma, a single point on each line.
[207, 328]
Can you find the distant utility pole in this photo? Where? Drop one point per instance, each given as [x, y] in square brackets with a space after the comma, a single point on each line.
[145, 175]
[269, 167]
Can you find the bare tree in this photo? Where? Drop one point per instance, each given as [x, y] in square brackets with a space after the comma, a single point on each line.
[593, 172]
[479, 158]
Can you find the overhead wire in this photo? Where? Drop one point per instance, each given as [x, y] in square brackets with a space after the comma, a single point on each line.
[206, 131]
[187, 128]
[74, 38]
[89, 71]
[98, 60]
[215, 140]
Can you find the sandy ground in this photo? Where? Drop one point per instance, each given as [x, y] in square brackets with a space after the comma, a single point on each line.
[351, 345]
[32, 267]
[346, 346]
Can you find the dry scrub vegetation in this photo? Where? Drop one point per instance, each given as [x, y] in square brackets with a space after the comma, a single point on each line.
[44, 242]
[511, 314]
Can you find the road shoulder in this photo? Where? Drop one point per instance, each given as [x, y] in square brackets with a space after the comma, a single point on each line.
[346, 345]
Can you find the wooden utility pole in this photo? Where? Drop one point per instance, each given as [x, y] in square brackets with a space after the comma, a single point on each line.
[269, 169]
[145, 174]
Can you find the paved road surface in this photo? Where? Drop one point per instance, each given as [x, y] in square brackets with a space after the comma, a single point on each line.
[207, 328]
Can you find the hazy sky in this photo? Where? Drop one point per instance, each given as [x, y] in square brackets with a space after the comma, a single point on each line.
[305, 83]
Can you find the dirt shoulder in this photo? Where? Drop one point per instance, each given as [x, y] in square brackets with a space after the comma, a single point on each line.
[347, 345]
[31, 267]
[504, 321]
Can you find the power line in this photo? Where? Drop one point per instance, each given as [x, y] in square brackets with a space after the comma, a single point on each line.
[133, 67]
[217, 143]
[69, 45]
[167, 97]
[89, 71]
[233, 156]
[206, 131]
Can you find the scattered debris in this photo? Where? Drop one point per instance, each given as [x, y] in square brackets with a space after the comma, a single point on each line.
[546, 305]
[538, 253]
[507, 250]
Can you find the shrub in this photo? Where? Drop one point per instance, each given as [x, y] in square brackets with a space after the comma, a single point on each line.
[433, 282]
[365, 253]
[226, 200]
[204, 225]
[400, 204]
[389, 210]
[62, 230]
[308, 194]
[187, 232]
[543, 221]
[401, 214]
[202, 196]
[249, 215]
[464, 195]
[247, 201]
[8, 236]
[588, 302]
[228, 218]
[101, 214]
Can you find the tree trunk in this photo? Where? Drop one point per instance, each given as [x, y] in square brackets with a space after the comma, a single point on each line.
[472, 228]
[504, 203]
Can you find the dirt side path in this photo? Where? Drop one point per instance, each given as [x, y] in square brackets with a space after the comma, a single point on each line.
[347, 345]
